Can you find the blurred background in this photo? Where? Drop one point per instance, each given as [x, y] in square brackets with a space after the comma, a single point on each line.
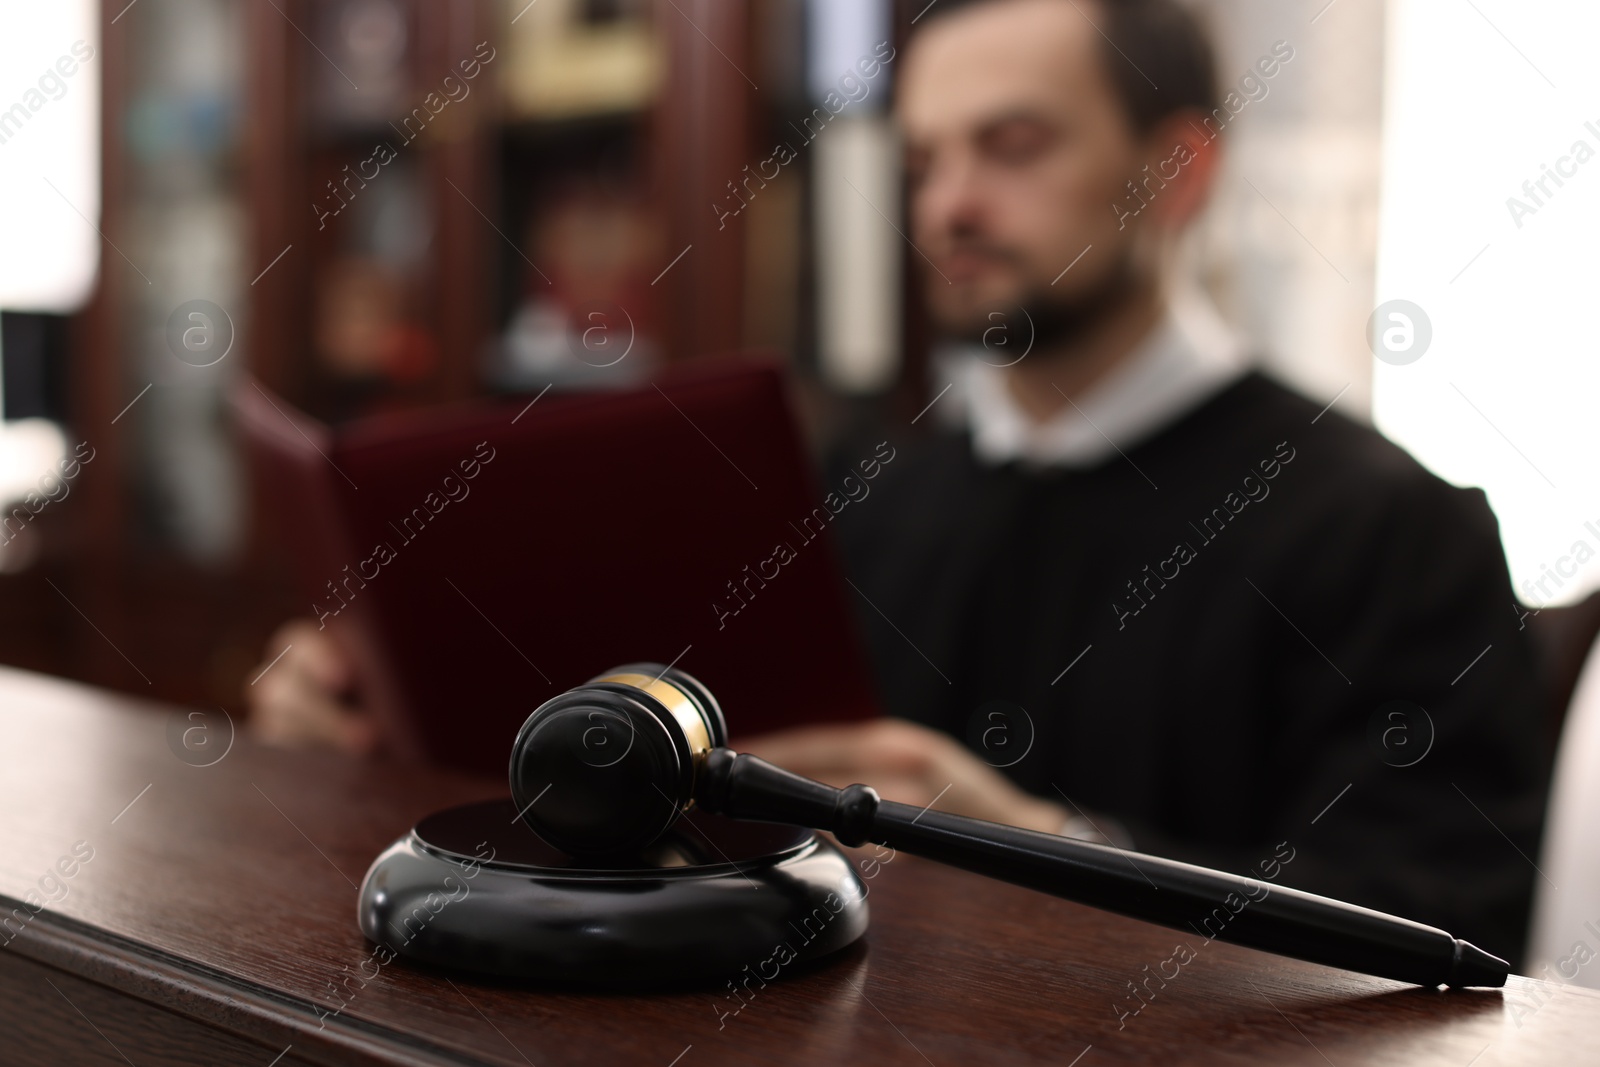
[386, 205]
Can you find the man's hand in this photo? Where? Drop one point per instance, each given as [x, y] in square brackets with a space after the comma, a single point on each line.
[309, 696]
[910, 764]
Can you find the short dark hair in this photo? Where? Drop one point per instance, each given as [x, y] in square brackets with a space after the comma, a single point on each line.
[1157, 55]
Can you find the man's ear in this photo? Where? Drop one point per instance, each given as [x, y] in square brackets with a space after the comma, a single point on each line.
[1185, 143]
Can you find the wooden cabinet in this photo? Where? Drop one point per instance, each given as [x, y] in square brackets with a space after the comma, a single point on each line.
[389, 186]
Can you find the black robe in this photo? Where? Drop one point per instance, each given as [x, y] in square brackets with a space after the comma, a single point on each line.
[1222, 639]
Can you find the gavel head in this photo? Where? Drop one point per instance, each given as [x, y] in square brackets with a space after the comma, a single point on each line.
[607, 767]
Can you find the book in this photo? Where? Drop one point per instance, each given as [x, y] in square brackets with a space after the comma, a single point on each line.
[478, 560]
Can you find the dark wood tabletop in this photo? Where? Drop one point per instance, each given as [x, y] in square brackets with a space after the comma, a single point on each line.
[209, 917]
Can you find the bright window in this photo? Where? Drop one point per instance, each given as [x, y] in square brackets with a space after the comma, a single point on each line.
[49, 153]
[1490, 223]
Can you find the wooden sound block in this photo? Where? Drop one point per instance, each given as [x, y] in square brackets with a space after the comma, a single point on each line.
[471, 887]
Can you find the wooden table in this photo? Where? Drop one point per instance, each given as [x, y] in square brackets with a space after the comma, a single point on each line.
[215, 919]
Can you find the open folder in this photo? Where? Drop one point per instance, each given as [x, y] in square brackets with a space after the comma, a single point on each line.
[477, 561]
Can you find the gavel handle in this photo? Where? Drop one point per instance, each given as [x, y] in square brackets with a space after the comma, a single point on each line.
[1203, 903]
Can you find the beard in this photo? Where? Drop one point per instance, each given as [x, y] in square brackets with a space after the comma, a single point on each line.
[1042, 316]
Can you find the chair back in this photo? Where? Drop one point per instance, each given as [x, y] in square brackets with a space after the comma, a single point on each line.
[1565, 934]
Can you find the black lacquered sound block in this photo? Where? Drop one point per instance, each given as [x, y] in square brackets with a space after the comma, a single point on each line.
[472, 887]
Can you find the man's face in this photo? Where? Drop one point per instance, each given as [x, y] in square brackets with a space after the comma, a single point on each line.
[1017, 148]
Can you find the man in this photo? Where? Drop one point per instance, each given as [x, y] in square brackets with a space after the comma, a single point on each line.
[1148, 595]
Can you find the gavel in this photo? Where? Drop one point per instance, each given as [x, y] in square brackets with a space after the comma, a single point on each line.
[608, 767]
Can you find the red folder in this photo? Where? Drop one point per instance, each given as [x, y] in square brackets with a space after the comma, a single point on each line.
[479, 560]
